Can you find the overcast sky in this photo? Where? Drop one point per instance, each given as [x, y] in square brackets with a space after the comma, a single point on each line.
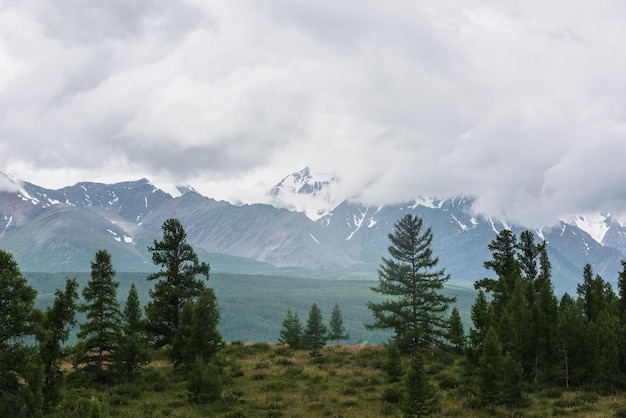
[520, 103]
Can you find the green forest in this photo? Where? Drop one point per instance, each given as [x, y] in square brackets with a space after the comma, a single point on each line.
[408, 345]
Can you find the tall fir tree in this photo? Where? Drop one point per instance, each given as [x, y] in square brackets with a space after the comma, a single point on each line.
[101, 330]
[416, 308]
[134, 352]
[176, 281]
[52, 334]
[291, 332]
[337, 329]
[316, 333]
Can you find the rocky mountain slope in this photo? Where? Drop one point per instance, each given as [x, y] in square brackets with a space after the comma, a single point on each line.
[60, 230]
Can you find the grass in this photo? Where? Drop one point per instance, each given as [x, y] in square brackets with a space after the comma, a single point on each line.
[267, 380]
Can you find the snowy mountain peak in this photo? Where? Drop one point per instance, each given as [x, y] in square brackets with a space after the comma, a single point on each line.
[308, 192]
[305, 182]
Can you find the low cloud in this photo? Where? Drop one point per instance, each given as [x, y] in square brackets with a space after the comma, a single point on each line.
[517, 104]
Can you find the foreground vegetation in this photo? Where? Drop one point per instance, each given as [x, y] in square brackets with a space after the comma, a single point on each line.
[263, 380]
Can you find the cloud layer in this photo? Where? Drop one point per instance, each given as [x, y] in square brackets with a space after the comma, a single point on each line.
[521, 104]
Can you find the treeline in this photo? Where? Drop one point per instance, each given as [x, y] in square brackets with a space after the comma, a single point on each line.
[522, 337]
[522, 334]
[114, 342]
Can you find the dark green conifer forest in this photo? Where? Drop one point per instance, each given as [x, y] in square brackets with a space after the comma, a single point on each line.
[517, 350]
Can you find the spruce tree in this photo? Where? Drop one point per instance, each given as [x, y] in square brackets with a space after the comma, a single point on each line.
[101, 330]
[197, 337]
[337, 330]
[52, 334]
[316, 333]
[134, 350]
[482, 318]
[416, 307]
[176, 281]
[420, 396]
[456, 333]
[490, 370]
[291, 332]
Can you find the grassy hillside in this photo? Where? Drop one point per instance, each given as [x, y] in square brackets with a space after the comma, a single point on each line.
[253, 306]
[263, 380]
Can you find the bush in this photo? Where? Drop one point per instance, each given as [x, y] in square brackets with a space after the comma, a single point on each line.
[205, 383]
[392, 395]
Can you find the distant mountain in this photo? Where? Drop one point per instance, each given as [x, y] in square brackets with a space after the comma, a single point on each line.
[60, 231]
[310, 193]
[461, 239]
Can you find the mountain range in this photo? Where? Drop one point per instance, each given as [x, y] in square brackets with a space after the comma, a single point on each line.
[60, 231]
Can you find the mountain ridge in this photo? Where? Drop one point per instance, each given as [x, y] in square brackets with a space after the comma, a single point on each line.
[60, 230]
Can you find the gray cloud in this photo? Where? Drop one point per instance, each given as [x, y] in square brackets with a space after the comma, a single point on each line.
[519, 104]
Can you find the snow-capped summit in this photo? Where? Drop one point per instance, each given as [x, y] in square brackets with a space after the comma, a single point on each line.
[313, 193]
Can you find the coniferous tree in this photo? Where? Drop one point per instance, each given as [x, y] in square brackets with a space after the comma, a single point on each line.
[197, 336]
[506, 266]
[456, 333]
[134, 351]
[490, 370]
[205, 333]
[416, 308]
[543, 322]
[393, 363]
[337, 330]
[176, 281]
[21, 374]
[52, 334]
[621, 308]
[593, 293]
[482, 318]
[420, 397]
[316, 333]
[101, 330]
[291, 332]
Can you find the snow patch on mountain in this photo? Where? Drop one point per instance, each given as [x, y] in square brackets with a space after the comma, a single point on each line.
[595, 224]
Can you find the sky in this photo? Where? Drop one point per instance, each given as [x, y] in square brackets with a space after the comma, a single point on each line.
[521, 104]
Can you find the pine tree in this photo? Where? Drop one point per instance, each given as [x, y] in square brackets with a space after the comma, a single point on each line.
[53, 332]
[102, 329]
[337, 330]
[416, 309]
[21, 374]
[315, 334]
[420, 397]
[134, 351]
[456, 333]
[176, 282]
[291, 332]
